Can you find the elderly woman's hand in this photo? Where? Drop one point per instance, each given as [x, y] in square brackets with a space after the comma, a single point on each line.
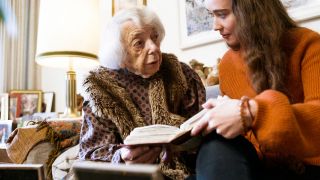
[223, 117]
[140, 154]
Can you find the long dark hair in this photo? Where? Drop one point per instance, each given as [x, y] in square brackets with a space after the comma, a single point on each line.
[260, 26]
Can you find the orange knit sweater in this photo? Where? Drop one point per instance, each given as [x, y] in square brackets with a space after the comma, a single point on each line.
[281, 127]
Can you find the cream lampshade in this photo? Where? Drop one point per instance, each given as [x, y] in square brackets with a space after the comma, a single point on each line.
[68, 37]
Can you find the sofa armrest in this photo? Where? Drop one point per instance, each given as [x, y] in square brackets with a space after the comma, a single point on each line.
[212, 91]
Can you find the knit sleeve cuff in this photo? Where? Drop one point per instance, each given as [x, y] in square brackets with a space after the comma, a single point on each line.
[116, 158]
[267, 101]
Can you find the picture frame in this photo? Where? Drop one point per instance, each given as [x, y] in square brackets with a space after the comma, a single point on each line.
[28, 101]
[48, 100]
[14, 106]
[4, 106]
[5, 131]
[196, 24]
[195, 28]
[84, 170]
[21, 171]
[302, 10]
[120, 4]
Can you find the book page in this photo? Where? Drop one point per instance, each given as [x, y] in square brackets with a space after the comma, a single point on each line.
[152, 134]
[188, 125]
[160, 133]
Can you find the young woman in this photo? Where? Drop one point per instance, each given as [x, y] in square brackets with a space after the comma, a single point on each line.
[268, 121]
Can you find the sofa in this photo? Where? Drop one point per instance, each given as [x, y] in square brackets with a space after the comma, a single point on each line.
[212, 91]
[43, 142]
[40, 144]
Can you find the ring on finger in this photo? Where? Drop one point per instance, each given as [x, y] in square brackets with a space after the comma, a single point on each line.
[218, 130]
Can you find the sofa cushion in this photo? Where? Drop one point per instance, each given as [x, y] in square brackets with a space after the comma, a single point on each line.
[212, 91]
[63, 162]
[39, 154]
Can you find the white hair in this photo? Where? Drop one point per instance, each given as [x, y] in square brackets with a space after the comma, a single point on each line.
[112, 52]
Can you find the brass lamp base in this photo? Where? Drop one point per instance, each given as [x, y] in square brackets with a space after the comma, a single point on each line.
[71, 96]
[69, 113]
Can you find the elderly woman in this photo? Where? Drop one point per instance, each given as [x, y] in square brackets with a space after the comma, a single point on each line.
[135, 86]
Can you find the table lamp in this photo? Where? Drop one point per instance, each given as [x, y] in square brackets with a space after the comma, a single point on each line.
[68, 37]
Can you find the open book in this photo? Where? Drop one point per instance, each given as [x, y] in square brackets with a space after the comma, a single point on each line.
[163, 134]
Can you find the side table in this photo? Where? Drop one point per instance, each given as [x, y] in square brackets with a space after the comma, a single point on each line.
[3, 155]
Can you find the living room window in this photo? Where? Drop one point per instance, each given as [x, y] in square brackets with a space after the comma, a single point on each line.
[18, 44]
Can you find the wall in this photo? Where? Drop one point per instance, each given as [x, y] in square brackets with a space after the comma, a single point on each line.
[168, 11]
[169, 14]
[53, 80]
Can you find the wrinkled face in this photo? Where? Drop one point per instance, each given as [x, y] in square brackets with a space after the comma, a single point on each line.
[143, 56]
[224, 20]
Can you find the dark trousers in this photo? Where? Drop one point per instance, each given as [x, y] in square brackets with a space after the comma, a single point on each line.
[236, 159]
[219, 158]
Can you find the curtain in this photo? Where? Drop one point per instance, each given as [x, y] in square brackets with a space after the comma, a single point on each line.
[17, 52]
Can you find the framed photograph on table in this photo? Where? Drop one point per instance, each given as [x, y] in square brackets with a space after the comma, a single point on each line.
[5, 131]
[84, 170]
[121, 4]
[48, 99]
[14, 106]
[195, 24]
[4, 105]
[22, 171]
[28, 101]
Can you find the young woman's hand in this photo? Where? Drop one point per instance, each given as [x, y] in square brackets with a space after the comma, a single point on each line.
[223, 117]
[140, 154]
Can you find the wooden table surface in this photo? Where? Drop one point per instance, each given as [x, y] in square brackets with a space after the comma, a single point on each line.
[3, 155]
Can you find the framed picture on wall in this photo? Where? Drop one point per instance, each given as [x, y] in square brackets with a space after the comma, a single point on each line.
[301, 10]
[121, 4]
[4, 105]
[195, 24]
[28, 101]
